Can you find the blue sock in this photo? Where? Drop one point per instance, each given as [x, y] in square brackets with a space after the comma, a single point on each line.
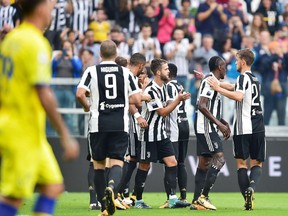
[45, 205]
[7, 210]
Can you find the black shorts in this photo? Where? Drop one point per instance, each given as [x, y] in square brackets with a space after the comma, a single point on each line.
[108, 144]
[253, 145]
[208, 144]
[134, 148]
[156, 151]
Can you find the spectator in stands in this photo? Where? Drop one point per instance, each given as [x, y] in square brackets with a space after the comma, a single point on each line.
[58, 23]
[211, 19]
[123, 48]
[271, 16]
[205, 52]
[66, 65]
[236, 31]
[100, 26]
[274, 70]
[165, 25]
[88, 43]
[121, 61]
[179, 51]
[147, 45]
[7, 16]
[87, 58]
[124, 15]
[18, 17]
[147, 15]
[236, 8]
[81, 13]
[258, 25]
[186, 20]
[282, 34]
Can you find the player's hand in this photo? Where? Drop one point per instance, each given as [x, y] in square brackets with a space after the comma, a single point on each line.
[142, 122]
[71, 148]
[183, 96]
[214, 83]
[199, 73]
[87, 107]
[225, 130]
[146, 97]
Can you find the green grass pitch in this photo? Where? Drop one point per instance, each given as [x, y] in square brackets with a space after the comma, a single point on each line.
[230, 204]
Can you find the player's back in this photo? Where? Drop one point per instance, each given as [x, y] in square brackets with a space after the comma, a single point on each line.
[25, 62]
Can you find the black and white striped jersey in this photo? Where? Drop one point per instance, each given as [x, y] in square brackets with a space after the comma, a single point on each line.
[110, 86]
[177, 126]
[156, 123]
[58, 21]
[202, 124]
[82, 11]
[7, 16]
[248, 117]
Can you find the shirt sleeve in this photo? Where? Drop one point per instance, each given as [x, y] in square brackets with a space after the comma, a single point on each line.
[155, 103]
[133, 87]
[170, 92]
[241, 83]
[39, 68]
[205, 90]
[85, 80]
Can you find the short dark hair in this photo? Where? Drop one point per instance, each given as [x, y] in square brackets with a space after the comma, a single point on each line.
[137, 58]
[29, 6]
[247, 55]
[145, 25]
[214, 62]
[173, 70]
[121, 61]
[108, 49]
[156, 64]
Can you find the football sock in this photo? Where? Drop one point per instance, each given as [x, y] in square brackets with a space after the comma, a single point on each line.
[140, 180]
[115, 175]
[243, 180]
[182, 180]
[126, 177]
[44, 205]
[199, 182]
[171, 179]
[166, 188]
[100, 185]
[210, 179]
[255, 176]
[92, 192]
[7, 210]
[107, 170]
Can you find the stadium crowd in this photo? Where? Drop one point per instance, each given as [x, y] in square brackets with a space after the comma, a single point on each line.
[185, 32]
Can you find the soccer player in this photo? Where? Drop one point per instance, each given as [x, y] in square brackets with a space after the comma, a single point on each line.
[155, 144]
[177, 128]
[209, 144]
[111, 88]
[25, 97]
[136, 66]
[249, 131]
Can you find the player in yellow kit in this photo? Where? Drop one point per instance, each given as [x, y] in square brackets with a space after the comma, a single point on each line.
[25, 97]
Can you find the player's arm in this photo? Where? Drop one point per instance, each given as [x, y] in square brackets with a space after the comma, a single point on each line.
[140, 120]
[134, 92]
[234, 95]
[203, 108]
[165, 111]
[81, 97]
[83, 90]
[48, 101]
[227, 86]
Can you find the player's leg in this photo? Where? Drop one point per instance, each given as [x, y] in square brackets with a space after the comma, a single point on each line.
[200, 176]
[50, 182]
[182, 172]
[93, 202]
[9, 205]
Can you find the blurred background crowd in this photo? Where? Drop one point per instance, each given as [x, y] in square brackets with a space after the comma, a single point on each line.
[185, 32]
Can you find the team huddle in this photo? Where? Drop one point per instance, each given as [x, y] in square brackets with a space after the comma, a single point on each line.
[137, 120]
[132, 120]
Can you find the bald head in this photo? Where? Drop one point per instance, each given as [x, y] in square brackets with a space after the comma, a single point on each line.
[108, 50]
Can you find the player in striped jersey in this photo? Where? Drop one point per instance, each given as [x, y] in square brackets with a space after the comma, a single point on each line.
[155, 144]
[209, 144]
[177, 128]
[249, 130]
[112, 88]
[7, 15]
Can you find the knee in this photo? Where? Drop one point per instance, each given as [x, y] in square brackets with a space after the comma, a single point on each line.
[52, 191]
[144, 166]
[171, 162]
